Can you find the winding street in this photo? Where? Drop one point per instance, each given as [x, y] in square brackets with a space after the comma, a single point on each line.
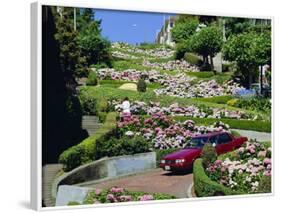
[153, 181]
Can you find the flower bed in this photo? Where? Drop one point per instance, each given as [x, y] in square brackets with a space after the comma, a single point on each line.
[204, 186]
[179, 85]
[163, 131]
[141, 108]
[244, 169]
[118, 194]
[154, 53]
[180, 65]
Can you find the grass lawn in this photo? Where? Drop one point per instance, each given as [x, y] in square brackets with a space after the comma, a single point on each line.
[128, 86]
[206, 76]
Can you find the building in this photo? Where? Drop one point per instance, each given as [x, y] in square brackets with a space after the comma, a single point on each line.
[164, 36]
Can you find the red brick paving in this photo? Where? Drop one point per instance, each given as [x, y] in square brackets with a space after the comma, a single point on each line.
[153, 181]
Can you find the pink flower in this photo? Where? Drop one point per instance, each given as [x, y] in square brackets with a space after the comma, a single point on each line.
[218, 162]
[116, 190]
[267, 173]
[124, 198]
[267, 161]
[262, 154]
[111, 198]
[97, 192]
[146, 197]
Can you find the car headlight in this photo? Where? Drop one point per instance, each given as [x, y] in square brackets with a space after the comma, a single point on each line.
[162, 161]
[179, 160]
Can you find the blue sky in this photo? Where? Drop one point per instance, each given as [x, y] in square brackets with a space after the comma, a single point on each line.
[130, 27]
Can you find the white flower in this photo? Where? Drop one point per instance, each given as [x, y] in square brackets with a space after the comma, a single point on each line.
[129, 133]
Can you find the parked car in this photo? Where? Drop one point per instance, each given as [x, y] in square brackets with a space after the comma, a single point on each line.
[183, 159]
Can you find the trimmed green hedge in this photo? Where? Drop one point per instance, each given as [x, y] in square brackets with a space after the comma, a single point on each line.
[260, 126]
[204, 186]
[216, 99]
[84, 152]
[193, 59]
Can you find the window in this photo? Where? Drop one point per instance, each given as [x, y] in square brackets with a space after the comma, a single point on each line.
[214, 139]
[224, 138]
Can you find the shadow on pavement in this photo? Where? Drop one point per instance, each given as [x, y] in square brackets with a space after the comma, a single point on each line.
[178, 173]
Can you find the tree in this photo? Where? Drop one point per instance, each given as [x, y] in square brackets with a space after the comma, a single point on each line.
[207, 42]
[95, 48]
[71, 59]
[61, 110]
[234, 26]
[183, 30]
[248, 50]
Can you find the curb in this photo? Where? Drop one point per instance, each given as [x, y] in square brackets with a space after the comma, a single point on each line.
[189, 191]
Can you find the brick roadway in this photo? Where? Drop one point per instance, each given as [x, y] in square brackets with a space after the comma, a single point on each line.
[153, 181]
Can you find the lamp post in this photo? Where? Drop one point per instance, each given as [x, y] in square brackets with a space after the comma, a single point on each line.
[74, 19]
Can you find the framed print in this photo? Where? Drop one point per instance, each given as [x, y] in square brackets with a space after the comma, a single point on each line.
[137, 106]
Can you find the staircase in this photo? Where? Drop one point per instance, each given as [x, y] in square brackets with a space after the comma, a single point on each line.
[91, 124]
[49, 173]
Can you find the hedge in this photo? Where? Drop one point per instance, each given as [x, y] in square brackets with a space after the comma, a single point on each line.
[260, 126]
[193, 59]
[84, 152]
[204, 186]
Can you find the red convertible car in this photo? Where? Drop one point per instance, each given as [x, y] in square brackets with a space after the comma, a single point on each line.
[183, 159]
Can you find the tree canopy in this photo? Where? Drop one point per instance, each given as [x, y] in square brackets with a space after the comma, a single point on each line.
[248, 50]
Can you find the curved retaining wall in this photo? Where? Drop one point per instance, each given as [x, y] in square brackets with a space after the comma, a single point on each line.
[107, 168]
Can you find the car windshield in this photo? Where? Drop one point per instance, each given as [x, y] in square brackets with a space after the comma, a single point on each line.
[196, 142]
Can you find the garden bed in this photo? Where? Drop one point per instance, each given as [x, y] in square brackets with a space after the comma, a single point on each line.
[246, 170]
[204, 186]
[118, 195]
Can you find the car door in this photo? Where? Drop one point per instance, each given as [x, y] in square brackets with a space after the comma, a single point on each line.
[224, 143]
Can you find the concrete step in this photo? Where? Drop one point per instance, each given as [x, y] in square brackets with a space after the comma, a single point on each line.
[49, 174]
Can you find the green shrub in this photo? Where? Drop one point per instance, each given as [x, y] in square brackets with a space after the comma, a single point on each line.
[88, 105]
[204, 186]
[92, 79]
[265, 184]
[84, 152]
[102, 116]
[102, 105]
[255, 103]
[208, 154]
[232, 102]
[141, 86]
[193, 59]
[124, 146]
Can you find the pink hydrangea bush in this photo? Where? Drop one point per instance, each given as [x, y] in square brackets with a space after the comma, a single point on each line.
[118, 194]
[141, 108]
[164, 132]
[244, 170]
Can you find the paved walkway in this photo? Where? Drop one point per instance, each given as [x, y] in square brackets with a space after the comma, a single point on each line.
[154, 181]
[49, 173]
[260, 136]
